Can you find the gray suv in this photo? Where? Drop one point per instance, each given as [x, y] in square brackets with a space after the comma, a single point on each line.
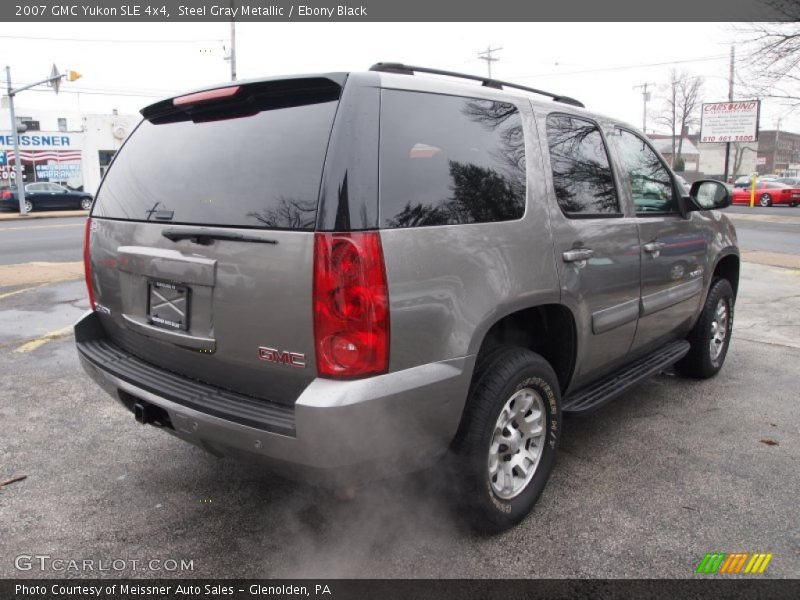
[353, 275]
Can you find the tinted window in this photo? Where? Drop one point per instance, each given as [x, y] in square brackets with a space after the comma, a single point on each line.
[582, 178]
[259, 170]
[650, 181]
[448, 160]
[35, 187]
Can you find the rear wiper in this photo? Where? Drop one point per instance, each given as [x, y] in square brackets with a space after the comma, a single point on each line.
[205, 236]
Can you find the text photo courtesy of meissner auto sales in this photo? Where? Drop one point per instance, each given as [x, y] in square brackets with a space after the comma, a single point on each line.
[399, 300]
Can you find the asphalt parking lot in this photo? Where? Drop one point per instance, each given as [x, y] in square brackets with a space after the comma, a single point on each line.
[644, 488]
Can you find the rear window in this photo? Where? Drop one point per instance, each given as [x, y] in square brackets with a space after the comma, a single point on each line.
[447, 160]
[259, 167]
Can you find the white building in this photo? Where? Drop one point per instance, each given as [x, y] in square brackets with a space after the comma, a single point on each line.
[70, 148]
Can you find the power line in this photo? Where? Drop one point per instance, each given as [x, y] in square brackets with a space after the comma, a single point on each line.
[100, 92]
[107, 41]
[626, 67]
[130, 91]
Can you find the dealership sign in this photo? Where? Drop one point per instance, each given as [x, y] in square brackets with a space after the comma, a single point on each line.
[730, 121]
[37, 140]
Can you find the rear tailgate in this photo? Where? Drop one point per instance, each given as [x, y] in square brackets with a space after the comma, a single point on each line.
[202, 235]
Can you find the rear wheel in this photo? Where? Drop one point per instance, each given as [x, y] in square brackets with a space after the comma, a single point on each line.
[505, 448]
[765, 200]
[711, 335]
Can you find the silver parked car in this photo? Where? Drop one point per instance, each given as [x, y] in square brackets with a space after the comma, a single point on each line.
[351, 275]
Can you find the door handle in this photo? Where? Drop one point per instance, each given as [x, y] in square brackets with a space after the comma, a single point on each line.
[653, 248]
[578, 255]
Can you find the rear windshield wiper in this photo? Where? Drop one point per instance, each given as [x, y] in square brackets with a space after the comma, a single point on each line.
[205, 236]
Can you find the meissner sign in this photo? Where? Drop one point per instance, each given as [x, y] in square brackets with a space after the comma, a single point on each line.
[730, 121]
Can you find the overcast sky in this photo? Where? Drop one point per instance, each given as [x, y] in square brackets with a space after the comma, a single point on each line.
[598, 63]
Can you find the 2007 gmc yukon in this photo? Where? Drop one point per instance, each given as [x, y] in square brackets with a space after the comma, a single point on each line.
[349, 275]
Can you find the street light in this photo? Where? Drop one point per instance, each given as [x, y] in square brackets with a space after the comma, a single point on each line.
[54, 81]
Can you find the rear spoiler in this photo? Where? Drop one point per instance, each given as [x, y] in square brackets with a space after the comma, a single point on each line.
[244, 98]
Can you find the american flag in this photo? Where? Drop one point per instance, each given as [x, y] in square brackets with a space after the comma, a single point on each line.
[47, 155]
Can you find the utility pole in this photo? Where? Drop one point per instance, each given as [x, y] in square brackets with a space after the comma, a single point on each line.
[645, 100]
[487, 56]
[233, 50]
[231, 57]
[730, 99]
[54, 81]
[15, 137]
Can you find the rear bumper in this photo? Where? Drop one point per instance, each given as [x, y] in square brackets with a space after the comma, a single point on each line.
[336, 432]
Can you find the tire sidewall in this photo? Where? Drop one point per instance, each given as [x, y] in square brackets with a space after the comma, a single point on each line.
[720, 291]
[503, 512]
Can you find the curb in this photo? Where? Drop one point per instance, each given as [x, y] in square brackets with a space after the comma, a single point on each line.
[779, 219]
[44, 215]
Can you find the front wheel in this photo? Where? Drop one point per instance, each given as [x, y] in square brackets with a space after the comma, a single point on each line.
[711, 335]
[506, 445]
[765, 200]
[86, 203]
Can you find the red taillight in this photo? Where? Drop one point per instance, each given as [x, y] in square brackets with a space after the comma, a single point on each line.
[351, 305]
[6, 195]
[87, 262]
[207, 96]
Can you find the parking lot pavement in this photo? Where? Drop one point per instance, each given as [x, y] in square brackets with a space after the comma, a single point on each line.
[644, 487]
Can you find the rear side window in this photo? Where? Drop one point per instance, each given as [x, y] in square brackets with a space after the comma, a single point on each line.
[448, 160]
[582, 178]
[257, 168]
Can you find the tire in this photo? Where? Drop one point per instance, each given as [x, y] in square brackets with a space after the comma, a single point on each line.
[86, 203]
[707, 353]
[511, 378]
[28, 205]
[765, 200]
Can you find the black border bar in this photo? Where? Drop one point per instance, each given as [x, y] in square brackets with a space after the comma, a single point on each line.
[706, 587]
[398, 11]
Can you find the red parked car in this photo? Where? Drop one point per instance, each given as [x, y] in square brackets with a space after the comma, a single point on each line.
[769, 193]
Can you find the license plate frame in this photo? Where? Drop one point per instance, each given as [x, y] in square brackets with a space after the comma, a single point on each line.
[172, 301]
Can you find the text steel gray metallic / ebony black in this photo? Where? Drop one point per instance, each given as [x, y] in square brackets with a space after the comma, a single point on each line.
[350, 275]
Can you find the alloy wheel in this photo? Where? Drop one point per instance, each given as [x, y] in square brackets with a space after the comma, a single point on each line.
[719, 329]
[517, 443]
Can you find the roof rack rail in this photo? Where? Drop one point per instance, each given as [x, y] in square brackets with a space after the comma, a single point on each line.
[388, 67]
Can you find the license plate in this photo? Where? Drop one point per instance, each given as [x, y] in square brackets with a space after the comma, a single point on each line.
[168, 305]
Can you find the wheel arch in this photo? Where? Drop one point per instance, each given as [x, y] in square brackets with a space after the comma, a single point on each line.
[547, 329]
[727, 267]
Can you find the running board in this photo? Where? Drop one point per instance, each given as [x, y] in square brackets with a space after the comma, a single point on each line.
[611, 386]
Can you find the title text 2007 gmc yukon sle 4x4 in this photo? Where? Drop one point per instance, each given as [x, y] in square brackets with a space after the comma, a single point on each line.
[349, 275]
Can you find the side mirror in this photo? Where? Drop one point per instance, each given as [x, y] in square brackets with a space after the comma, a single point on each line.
[709, 194]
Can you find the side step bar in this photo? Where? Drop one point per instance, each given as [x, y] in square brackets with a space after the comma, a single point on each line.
[611, 386]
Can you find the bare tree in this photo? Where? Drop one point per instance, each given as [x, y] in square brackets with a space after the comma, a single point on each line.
[738, 155]
[681, 107]
[770, 67]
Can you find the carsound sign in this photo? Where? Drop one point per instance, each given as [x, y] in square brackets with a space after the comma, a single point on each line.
[730, 121]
